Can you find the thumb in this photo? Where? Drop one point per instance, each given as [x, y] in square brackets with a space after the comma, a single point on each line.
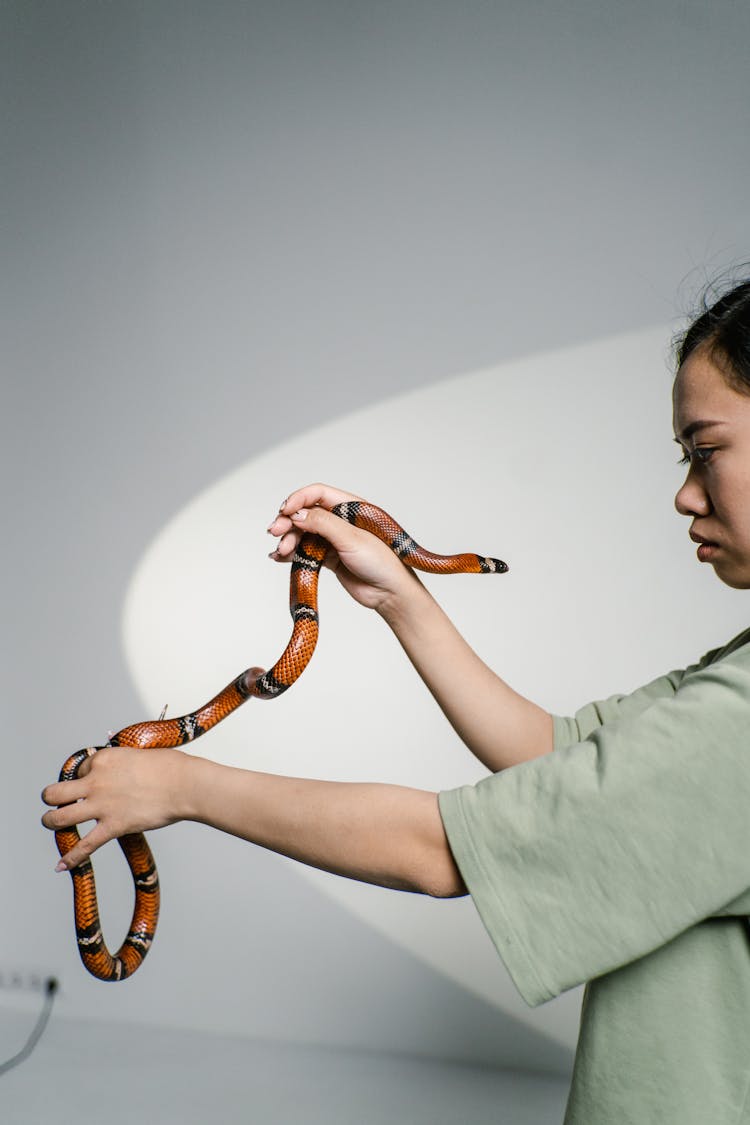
[343, 536]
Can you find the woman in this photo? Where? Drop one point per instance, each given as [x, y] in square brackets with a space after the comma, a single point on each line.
[622, 859]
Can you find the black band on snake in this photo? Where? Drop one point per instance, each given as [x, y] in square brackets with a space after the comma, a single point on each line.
[303, 606]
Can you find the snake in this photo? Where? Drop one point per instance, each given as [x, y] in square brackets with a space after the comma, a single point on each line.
[307, 561]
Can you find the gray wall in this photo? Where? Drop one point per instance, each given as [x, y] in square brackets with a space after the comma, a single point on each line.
[224, 224]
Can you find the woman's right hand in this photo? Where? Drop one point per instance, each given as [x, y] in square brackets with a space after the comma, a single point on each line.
[367, 569]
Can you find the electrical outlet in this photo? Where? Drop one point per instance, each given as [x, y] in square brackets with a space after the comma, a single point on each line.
[24, 980]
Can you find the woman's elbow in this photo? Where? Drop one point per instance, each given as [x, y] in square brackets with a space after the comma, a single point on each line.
[441, 877]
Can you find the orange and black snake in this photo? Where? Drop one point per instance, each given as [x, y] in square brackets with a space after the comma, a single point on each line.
[303, 604]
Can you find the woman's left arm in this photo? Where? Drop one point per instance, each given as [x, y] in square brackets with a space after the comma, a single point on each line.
[389, 835]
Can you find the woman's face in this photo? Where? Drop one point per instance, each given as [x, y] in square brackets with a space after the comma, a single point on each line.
[712, 425]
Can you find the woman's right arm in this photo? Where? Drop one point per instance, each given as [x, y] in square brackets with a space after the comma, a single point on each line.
[499, 726]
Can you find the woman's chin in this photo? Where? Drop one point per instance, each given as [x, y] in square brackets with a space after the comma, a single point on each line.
[735, 576]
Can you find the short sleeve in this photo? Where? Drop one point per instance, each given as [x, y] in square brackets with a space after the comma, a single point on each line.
[591, 857]
[578, 727]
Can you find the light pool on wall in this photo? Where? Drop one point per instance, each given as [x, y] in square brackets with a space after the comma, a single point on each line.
[562, 464]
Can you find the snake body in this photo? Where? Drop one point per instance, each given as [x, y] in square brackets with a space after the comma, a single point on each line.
[303, 606]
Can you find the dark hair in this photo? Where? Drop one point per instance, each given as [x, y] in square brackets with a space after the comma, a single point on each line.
[723, 329]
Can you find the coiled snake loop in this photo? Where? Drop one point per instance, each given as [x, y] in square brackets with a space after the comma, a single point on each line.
[303, 606]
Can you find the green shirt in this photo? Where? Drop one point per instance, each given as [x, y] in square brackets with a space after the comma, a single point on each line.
[623, 860]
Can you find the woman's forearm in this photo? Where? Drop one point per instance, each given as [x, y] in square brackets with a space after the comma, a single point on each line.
[499, 726]
[384, 834]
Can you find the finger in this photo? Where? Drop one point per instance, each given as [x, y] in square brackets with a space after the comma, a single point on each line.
[311, 496]
[287, 545]
[289, 537]
[64, 792]
[66, 816]
[315, 495]
[343, 536]
[279, 525]
[85, 847]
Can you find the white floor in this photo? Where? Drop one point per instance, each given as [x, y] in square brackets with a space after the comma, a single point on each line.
[101, 1074]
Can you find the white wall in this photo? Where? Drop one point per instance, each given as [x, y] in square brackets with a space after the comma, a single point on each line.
[227, 223]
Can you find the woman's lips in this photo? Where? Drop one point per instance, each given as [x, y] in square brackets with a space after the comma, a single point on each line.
[706, 547]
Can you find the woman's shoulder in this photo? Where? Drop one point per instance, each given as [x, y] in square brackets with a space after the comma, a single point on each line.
[735, 646]
[735, 655]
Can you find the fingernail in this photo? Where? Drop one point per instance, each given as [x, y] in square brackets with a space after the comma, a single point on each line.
[283, 504]
[274, 555]
[300, 515]
[61, 867]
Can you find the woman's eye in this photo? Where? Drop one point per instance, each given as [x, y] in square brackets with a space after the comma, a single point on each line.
[701, 454]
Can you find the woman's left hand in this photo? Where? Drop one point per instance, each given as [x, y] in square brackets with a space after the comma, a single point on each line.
[124, 790]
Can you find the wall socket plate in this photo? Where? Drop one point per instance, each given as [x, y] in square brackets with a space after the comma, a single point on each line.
[18, 979]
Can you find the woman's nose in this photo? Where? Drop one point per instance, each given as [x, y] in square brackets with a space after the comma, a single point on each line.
[692, 499]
